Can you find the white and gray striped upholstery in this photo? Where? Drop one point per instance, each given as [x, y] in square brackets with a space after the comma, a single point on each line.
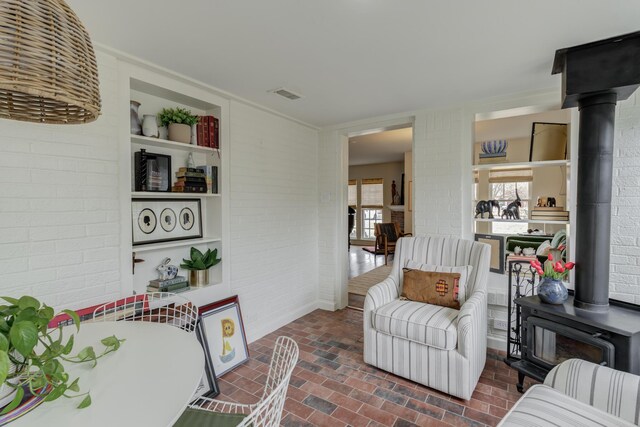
[435, 361]
[579, 393]
[423, 323]
[543, 406]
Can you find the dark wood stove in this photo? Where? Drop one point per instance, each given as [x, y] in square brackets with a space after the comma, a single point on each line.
[588, 325]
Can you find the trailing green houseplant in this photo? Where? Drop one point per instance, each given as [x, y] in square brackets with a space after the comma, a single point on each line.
[199, 265]
[31, 354]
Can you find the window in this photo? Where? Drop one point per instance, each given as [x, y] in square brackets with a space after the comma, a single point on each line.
[502, 187]
[371, 203]
[353, 203]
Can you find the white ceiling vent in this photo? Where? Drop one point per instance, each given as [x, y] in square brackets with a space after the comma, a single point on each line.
[286, 93]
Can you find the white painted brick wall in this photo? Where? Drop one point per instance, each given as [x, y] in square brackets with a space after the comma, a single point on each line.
[59, 206]
[625, 233]
[274, 215]
[437, 180]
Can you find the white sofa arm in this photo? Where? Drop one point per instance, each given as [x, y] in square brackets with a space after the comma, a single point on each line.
[472, 326]
[612, 391]
[379, 295]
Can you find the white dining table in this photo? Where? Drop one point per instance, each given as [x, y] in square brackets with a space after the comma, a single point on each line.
[147, 382]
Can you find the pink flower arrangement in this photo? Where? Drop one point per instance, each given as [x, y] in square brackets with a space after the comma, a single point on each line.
[553, 270]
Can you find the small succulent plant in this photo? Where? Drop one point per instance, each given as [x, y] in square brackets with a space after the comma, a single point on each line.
[200, 261]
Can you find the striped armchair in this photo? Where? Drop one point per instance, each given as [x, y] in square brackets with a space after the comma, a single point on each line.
[438, 347]
[579, 393]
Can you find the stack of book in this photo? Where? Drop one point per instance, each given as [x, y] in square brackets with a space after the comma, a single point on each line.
[190, 180]
[543, 213]
[211, 177]
[175, 285]
[208, 132]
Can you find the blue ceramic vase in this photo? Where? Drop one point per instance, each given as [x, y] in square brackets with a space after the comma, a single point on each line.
[552, 291]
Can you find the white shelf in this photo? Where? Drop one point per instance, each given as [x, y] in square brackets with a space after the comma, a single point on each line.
[165, 143]
[530, 221]
[518, 165]
[170, 195]
[177, 244]
[396, 208]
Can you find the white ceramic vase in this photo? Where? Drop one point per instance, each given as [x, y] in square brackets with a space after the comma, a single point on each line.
[150, 126]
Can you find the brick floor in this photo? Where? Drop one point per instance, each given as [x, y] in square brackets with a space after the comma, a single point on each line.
[332, 386]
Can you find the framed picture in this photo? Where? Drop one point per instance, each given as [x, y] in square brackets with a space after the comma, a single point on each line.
[208, 386]
[223, 335]
[165, 220]
[152, 171]
[497, 251]
[548, 141]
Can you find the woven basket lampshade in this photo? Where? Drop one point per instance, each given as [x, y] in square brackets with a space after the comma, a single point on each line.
[48, 70]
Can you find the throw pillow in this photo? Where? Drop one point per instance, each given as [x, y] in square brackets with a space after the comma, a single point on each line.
[464, 270]
[431, 287]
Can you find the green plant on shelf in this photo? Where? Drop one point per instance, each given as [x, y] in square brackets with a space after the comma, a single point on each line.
[177, 115]
[31, 354]
[200, 261]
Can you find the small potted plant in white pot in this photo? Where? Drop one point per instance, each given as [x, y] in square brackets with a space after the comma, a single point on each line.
[178, 122]
[199, 266]
[31, 353]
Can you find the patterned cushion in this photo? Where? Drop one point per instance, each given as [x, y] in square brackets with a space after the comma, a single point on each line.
[427, 324]
[543, 406]
[465, 272]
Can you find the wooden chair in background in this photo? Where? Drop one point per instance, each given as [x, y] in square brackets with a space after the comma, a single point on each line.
[387, 234]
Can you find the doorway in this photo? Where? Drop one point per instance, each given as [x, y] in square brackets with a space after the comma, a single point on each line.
[379, 169]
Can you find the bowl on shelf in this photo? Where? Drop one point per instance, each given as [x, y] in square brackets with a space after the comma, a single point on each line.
[497, 147]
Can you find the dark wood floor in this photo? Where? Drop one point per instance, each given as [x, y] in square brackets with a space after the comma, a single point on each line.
[332, 386]
[361, 261]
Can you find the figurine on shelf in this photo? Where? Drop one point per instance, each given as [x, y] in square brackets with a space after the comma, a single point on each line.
[513, 209]
[395, 197]
[486, 206]
[166, 271]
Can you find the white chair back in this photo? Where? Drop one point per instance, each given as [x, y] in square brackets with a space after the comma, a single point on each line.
[158, 307]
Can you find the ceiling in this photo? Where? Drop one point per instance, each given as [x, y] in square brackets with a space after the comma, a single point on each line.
[381, 147]
[354, 59]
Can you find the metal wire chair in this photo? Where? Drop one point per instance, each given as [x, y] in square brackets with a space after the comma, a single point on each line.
[158, 307]
[268, 411]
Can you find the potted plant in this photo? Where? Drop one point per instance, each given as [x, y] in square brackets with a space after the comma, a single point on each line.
[31, 353]
[178, 121]
[199, 266]
[551, 289]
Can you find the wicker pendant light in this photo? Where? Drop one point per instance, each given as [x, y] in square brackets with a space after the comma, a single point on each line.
[48, 71]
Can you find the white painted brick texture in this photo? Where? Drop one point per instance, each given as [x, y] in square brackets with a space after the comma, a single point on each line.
[625, 230]
[59, 206]
[273, 215]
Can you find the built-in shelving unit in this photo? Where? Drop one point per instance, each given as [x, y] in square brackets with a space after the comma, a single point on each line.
[154, 92]
[528, 221]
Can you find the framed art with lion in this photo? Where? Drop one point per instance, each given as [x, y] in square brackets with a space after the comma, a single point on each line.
[222, 333]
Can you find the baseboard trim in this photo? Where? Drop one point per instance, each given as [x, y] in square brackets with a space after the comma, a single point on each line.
[327, 305]
[497, 343]
[279, 322]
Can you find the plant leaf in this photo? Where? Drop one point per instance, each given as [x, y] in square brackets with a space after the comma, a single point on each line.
[24, 337]
[69, 346]
[199, 265]
[4, 365]
[10, 300]
[4, 344]
[56, 393]
[196, 254]
[15, 402]
[74, 316]
[111, 341]
[85, 402]
[27, 301]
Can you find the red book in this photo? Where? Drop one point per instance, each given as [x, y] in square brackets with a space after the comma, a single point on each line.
[200, 131]
[205, 129]
[216, 133]
[211, 131]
